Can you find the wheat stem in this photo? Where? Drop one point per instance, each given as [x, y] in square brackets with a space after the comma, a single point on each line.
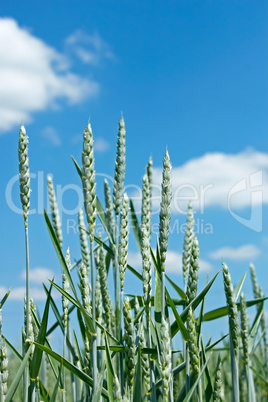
[54, 210]
[165, 360]
[130, 349]
[83, 240]
[217, 394]
[187, 245]
[164, 220]
[94, 339]
[234, 331]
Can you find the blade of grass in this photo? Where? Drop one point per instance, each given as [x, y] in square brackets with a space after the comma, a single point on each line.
[178, 319]
[209, 387]
[76, 302]
[86, 315]
[37, 323]
[44, 393]
[113, 348]
[138, 316]
[58, 318]
[135, 224]
[73, 369]
[211, 346]
[12, 348]
[190, 393]
[222, 311]
[56, 324]
[2, 302]
[37, 356]
[14, 385]
[200, 320]
[107, 248]
[197, 300]
[102, 216]
[110, 370]
[254, 329]
[59, 253]
[177, 288]
[137, 388]
[77, 167]
[56, 387]
[80, 359]
[81, 325]
[238, 287]
[157, 301]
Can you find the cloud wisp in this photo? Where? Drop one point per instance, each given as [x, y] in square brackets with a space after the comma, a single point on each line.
[34, 76]
[173, 262]
[229, 181]
[101, 145]
[90, 49]
[52, 136]
[39, 275]
[36, 293]
[246, 252]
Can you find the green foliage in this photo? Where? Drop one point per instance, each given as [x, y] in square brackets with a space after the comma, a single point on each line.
[136, 358]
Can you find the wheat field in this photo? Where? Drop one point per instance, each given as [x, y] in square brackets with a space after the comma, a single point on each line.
[124, 347]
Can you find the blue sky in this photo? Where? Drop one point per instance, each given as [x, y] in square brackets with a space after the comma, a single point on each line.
[190, 76]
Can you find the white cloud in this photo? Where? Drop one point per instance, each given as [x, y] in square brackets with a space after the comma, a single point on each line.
[90, 49]
[33, 76]
[134, 259]
[209, 179]
[51, 134]
[173, 262]
[18, 293]
[39, 275]
[242, 253]
[77, 138]
[35, 293]
[101, 145]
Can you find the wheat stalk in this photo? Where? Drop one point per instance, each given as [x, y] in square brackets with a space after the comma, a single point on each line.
[146, 205]
[130, 348]
[106, 298]
[24, 173]
[193, 272]
[217, 394]
[164, 220]
[165, 359]
[120, 166]
[234, 330]
[83, 239]
[188, 242]
[90, 200]
[54, 209]
[3, 365]
[123, 241]
[24, 178]
[109, 209]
